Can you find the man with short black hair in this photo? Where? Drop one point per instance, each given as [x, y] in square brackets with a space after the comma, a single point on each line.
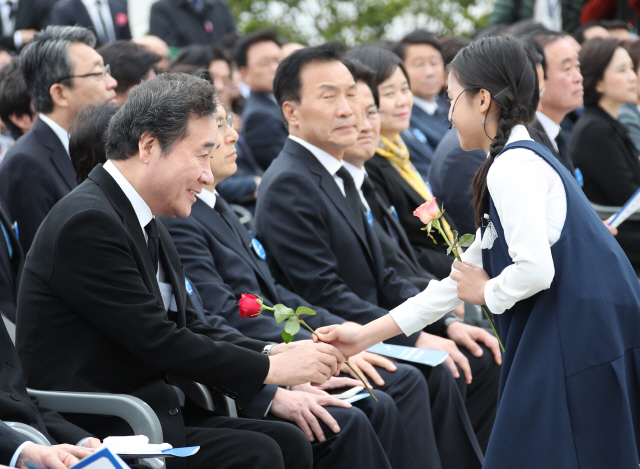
[16, 110]
[63, 73]
[104, 279]
[257, 56]
[130, 64]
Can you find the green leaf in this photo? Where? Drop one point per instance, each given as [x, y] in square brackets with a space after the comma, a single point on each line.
[305, 310]
[466, 240]
[286, 337]
[292, 326]
[448, 250]
[282, 313]
[455, 235]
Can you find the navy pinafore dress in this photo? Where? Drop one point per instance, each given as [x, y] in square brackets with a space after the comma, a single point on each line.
[569, 394]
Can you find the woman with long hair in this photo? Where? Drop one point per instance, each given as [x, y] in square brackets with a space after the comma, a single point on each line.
[565, 297]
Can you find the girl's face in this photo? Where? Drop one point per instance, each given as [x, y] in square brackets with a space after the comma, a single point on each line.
[619, 83]
[466, 115]
[396, 100]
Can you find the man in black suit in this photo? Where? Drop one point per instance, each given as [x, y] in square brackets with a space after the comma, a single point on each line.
[107, 19]
[257, 57]
[183, 22]
[561, 95]
[112, 286]
[421, 53]
[317, 240]
[63, 73]
[21, 20]
[11, 262]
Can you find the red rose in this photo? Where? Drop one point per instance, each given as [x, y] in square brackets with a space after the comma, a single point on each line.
[428, 211]
[121, 19]
[250, 306]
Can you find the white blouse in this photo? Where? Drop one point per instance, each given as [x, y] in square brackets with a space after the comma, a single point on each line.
[531, 202]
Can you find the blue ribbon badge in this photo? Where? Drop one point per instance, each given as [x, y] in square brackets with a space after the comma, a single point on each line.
[578, 175]
[188, 286]
[370, 218]
[395, 212]
[258, 249]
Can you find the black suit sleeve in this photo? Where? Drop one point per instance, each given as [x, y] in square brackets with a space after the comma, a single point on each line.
[96, 275]
[10, 440]
[601, 155]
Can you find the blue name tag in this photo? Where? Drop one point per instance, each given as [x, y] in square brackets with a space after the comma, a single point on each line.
[188, 286]
[258, 249]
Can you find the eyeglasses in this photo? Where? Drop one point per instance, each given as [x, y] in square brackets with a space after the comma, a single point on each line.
[106, 70]
[226, 123]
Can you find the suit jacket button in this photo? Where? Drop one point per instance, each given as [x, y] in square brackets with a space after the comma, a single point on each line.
[173, 412]
[16, 397]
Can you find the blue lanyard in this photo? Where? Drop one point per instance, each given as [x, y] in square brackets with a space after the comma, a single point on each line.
[6, 237]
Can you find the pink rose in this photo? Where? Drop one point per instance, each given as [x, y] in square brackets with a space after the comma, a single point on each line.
[428, 211]
[250, 307]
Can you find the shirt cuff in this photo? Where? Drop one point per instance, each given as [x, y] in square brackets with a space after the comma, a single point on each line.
[491, 300]
[408, 321]
[17, 39]
[16, 455]
[83, 441]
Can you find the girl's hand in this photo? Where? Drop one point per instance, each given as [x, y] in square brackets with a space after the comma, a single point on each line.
[471, 281]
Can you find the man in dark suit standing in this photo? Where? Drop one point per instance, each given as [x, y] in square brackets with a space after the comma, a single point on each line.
[107, 19]
[309, 214]
[21, 19]
[104, 278]
[63, 73]
[183, 22]
[257, 57]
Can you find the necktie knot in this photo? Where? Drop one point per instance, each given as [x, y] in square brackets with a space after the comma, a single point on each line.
[152, 229]
[352, 196]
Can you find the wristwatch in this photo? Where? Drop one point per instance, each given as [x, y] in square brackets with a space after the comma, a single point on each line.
[267, 349]
[449, 321]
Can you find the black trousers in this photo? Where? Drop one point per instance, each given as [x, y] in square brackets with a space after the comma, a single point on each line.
[227, 443]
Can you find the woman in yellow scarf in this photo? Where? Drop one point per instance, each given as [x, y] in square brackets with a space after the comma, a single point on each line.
[391, 170]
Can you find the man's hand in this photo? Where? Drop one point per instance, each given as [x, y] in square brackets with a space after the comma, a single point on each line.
[364, 363]
[51, 457]
[433, 342]
[471, 281]
[304, 409]
[26, 35]
[280, 348]
[468, 336]
[612, 229]
[311, 362]
[92, 443]
[334, 383]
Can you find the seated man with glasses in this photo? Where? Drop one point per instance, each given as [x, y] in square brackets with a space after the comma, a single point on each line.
[63, 73]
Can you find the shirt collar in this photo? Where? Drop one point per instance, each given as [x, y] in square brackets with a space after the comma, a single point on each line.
[62, 134]
[551, 128]
[358, 174]
[329, 162]
[207, 197]
[143, 212]
[426, 106]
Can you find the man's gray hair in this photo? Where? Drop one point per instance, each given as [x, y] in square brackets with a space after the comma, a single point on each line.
[162, 107]
[45, 60]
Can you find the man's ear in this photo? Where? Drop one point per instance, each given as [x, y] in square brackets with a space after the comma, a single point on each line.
[147, 147]
[59, 94]
[290, 111]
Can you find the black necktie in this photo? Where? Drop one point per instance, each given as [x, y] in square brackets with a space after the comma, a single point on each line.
[105, 37]
[352, 196]
[563, 150]
[369, 192]
[153, 243]
[221, 208]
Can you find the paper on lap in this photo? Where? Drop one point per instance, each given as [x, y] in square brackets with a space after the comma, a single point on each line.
[410, 354]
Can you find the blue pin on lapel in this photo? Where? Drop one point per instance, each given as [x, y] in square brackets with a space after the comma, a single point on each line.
[370, 218]
[187, 284]
[395, 212]
[258, 249]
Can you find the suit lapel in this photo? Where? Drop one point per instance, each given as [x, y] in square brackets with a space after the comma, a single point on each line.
[59, 156]
[175, 279]
[83, 15]
[393, 221]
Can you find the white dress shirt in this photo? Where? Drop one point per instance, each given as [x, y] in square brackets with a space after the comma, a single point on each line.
[208, 197]
[551, 128]
[549, 13]
[428, 107]
[329, 163]
[531, 203]
[95, 12]
[62, 134]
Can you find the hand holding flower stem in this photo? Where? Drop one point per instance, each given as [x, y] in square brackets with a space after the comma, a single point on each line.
[429, 213]
[252, 306]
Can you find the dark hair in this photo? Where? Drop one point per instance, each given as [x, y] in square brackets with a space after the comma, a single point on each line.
[383, 62]
[45, 60]
[633, 48]
[451, 45]
[537, 53]
[595, 56]
[419, 36]
[512, 82]
[286, 84]
[14, 97]
[87, 138]
[578, 33]
[244, 44]
[525, 28]
[364, 74]
[615, 24]
[129, 62]
[161, 107]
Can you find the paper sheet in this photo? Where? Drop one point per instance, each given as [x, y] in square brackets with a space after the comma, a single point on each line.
[410, 354]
